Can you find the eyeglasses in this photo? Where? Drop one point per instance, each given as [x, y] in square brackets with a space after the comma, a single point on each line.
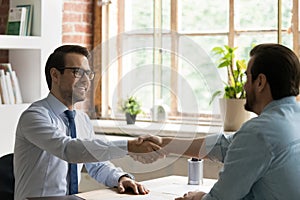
[79, 72]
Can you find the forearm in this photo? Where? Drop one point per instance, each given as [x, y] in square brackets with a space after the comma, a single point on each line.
[131, 145]
[187, 147]
[105, 173]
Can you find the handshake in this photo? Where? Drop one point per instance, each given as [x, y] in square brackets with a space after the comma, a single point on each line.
[147, 149]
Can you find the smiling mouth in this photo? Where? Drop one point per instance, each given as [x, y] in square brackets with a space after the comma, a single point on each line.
[81, 89]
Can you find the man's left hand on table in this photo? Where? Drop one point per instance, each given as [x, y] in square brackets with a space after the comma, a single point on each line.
[126, 183]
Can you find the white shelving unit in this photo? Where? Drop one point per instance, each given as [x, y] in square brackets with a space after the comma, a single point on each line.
[28, 56]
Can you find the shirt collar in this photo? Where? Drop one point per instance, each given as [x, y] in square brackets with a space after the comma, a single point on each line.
[285, 100]
[57, 107]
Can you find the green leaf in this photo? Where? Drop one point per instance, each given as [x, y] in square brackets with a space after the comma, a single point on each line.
[230, 92]
[223, 64]
[132, 106]
[241, 65]
[215, 94]
[218, 50]
[236, 71]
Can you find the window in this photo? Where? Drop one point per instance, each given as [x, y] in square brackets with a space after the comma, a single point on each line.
[160, 50]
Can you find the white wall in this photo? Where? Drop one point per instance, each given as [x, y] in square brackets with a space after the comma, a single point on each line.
[9, 118]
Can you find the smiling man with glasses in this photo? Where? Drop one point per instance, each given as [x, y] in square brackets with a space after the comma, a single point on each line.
[52, 140]
[79, 72]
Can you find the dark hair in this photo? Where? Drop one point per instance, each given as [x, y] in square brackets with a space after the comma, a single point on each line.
[57, 59]
[281, 67]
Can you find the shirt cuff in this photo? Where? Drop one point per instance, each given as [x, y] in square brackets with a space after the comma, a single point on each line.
[118, 176]
[210, 142]
[216, 146]
[126, 175]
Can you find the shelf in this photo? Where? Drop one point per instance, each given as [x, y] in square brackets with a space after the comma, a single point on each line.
[20, 42]
[28, 56]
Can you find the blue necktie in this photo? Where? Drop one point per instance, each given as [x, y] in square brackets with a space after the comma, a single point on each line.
[73, 184]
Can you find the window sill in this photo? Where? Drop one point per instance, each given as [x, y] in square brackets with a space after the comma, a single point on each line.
[119, 127]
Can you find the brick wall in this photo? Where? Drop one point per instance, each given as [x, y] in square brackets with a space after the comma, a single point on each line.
[4, 6]
[77, 22]
[77, 29]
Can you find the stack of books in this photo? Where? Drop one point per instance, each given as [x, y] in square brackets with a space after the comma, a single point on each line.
[19, 20]
[10, 92]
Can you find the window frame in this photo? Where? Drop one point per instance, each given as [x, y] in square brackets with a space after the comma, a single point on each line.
[102, 16]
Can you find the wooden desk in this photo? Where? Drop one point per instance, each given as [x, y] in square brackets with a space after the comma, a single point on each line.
[160, 189]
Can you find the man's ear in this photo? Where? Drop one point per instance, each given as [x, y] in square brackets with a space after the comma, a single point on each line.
[54, 74]
[261, 82]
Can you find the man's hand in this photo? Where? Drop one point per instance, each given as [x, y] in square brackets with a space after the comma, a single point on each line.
[145, 151]
[196, 195]
[152, 138]
[179, 146]
[126, 183]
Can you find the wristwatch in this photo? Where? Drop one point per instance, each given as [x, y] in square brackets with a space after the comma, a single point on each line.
[128, 176]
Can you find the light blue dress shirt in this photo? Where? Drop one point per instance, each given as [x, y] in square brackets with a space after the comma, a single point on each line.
[43, 149]
[262, 159]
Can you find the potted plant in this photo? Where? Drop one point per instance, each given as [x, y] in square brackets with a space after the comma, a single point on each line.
[131, 107]
[232, 104]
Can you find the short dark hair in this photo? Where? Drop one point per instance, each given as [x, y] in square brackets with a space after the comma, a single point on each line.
[57, 59]
[281, 67]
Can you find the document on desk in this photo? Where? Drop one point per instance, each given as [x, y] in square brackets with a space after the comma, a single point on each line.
[166, 188]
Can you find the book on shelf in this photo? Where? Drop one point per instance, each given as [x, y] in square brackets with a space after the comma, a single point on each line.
[28, 20]
[4, 92]
[16, 88]
[16, 21]
[9, 85]
[11, 97]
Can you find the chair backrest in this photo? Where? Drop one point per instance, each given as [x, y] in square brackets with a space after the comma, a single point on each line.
[7, 180]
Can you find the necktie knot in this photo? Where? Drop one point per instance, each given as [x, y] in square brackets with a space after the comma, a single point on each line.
[70, 114]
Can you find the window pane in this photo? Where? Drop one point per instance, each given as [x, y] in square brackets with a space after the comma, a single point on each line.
[203, 15]
[197, 74]
[166, 18]
[191, 79]
[287, 40]
[287, 6]
[255, 14]
[245, 42]
[138, 14]
[135, 56]
[209, 42]
[138, 76]
[113, 18]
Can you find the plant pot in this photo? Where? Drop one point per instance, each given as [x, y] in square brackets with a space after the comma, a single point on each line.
[233, 113]
[130, 119]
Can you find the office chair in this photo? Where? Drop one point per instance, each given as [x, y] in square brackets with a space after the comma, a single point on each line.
[7, 180]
